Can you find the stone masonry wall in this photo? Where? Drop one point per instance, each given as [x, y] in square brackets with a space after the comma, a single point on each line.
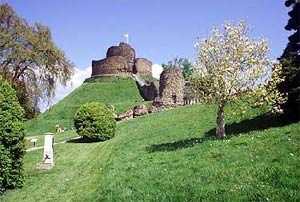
[119, 60]
[171, 85]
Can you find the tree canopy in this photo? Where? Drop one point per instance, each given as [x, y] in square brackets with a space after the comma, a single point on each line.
[231, 64]
[290, 61]
[29, 59]
[184, 64]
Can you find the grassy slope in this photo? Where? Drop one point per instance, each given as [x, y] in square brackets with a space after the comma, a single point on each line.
[118, 91]
[170, 156]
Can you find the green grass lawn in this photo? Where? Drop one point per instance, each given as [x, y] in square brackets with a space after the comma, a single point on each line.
[58, 137]
[120, 91]
[172, 156]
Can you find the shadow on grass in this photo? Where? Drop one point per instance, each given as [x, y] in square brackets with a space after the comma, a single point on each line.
[258, 123]
[172, 146]
[82, 140]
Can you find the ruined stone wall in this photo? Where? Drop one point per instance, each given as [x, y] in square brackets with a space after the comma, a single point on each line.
[171, 92]
[110, 65]
[119, 60]
[123, 50]
[142, 66]
[148, 91]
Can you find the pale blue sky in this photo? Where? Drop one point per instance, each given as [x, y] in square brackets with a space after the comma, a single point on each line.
[159, 29]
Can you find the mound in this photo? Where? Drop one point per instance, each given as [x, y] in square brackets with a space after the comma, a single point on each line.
[119, 91]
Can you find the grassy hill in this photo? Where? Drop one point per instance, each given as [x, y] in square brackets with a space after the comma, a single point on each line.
[172, 156]
[120, 91]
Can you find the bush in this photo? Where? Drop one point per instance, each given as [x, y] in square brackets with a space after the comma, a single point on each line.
[5, 167]
[12, 133]
[95, 121]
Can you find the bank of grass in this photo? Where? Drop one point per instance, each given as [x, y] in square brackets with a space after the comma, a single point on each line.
[120, 91]
[58, 137]
[171, 156]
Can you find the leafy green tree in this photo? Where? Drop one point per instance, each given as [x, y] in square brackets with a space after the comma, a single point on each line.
[184, 64]
[290, 61]
[12, 133]
[29, 60]
[230, 65]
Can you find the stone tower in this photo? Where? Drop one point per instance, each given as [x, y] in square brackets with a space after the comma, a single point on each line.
[119, 60]
[171, 90]
[171, 85]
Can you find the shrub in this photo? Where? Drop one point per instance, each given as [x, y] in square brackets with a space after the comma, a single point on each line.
[95, 121]
[5, 167]
[12, 133]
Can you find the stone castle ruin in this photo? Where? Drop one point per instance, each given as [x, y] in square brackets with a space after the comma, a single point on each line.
[121, 60]
[171, 90]
[142, 66]
[171, 87]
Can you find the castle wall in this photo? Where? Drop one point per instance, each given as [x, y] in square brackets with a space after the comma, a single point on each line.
[119, 60]
[171, 85]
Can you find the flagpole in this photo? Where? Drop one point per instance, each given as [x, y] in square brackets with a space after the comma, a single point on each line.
[127, 37]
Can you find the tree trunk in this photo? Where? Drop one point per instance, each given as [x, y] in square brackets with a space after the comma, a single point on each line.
[220, 131]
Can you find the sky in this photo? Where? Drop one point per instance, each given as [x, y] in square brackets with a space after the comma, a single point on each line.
[159, 30]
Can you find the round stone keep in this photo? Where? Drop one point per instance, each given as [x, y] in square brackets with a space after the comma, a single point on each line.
[124, 50]
[111, 65]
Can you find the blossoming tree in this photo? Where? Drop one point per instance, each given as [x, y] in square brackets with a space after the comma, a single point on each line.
[229, 65]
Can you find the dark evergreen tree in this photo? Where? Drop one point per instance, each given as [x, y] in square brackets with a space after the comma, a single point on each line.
[290, 61]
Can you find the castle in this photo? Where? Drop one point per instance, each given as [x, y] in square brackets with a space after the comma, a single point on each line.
[122, 60]
[119, 60]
